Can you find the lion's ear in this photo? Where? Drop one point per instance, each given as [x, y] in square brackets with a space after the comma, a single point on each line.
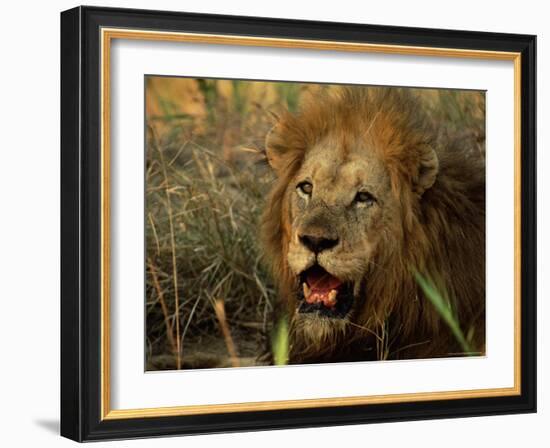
[428, 169]
[275, 149]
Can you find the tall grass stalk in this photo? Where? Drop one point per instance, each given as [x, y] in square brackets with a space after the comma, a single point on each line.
[160, 295]
[445, 311]
[219, 308]
[280, 343]
[174, 262]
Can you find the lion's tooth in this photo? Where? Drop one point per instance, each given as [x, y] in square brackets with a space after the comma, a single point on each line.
[331, 299]
[306, 289]
[312, 298]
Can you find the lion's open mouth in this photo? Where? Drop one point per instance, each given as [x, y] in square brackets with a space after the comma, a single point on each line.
[323, 293]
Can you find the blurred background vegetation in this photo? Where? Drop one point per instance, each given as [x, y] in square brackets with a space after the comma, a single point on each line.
[209, 301]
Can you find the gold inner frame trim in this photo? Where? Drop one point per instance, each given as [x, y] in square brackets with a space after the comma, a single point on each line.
[107, 35]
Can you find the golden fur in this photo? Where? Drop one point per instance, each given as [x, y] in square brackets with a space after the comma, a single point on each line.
[428, 217]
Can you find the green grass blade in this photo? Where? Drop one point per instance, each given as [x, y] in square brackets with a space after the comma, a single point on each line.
[280, 343]
[445, 311]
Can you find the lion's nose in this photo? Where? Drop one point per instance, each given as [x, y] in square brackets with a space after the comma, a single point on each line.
[318, 243]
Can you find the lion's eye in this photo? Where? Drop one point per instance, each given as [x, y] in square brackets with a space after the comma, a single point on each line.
[365, 198]
[305, 188]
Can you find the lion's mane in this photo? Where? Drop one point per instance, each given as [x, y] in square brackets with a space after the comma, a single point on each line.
[440, 233]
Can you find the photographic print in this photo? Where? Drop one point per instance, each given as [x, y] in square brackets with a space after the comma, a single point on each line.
[302, 223]
[343, 212]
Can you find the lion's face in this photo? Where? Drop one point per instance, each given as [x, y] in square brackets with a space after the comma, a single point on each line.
[340, 202]
[351, 171]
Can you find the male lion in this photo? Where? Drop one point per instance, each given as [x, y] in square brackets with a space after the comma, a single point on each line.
[366, 196]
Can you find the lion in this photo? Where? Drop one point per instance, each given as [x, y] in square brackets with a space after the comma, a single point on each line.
[367, 196]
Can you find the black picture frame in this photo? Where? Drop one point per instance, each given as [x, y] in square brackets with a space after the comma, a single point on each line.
[81, 224]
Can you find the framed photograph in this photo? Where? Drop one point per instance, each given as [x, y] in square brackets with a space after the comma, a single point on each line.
[276, 224]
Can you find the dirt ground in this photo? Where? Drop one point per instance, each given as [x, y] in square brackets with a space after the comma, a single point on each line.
[210, 352]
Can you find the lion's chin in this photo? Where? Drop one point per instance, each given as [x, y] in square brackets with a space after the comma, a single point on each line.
[318, 332]
[322, 295]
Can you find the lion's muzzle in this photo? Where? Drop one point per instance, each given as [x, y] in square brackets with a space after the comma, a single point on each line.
[324, 294]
